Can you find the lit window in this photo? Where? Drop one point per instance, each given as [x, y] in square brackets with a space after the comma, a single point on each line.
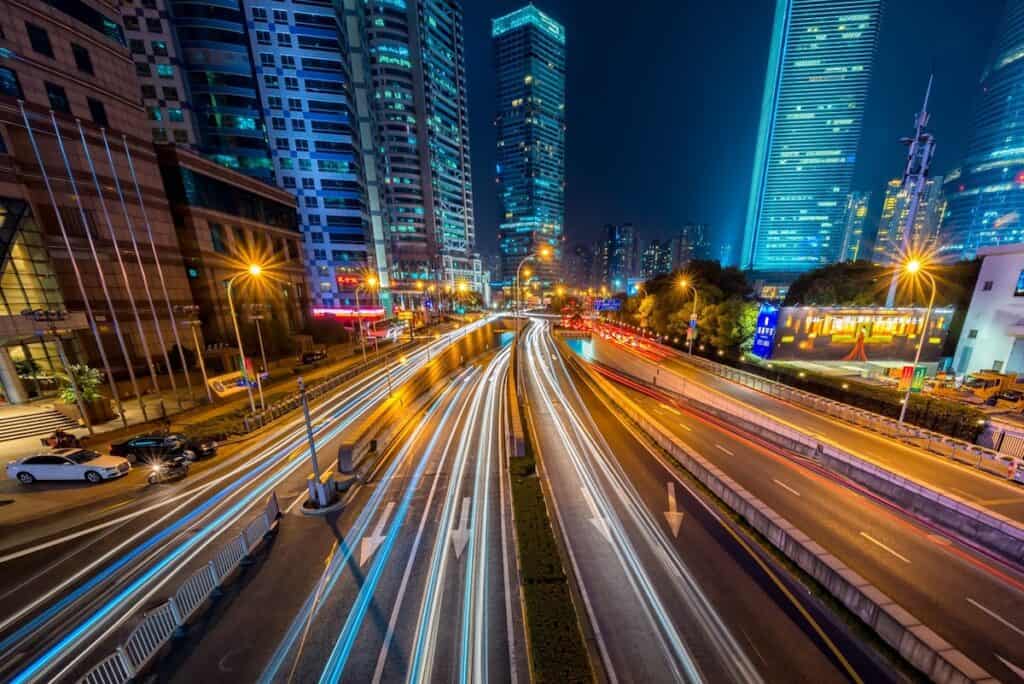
[165, 71]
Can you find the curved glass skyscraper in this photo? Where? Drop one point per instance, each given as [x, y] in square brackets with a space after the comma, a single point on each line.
[986, 195]
[819, 69]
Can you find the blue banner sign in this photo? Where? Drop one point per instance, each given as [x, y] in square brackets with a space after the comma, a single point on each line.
[764, 334]
[607, 304]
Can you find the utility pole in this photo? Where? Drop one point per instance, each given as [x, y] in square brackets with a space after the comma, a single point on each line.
[921, 149]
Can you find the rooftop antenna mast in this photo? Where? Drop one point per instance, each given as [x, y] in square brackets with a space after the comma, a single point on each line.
[921, 149]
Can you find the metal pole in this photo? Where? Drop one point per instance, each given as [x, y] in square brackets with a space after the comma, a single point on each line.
[99, 271]
[693, 317]
[71, 379]
[142, 270]
[309, 430]
[920, 343]
[71, 255]
[259, 336]
[163, 287]
[202, 363]
[124, 273]
[241, 350]
[359, 322]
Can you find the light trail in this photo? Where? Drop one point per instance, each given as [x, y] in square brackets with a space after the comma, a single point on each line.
[579, 442]
[81, 638]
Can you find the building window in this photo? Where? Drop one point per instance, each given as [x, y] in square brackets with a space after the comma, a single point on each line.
[9, 84]
[314, 219]
[148, 92]
[181, 136]
[319, 254]
[281, 16]
[131, 23]
[142, 69]
[165, 71]
[175, 114]
[287, 61]
[305, 164]
[973, 334]
[291, 83]
[308, 184]
[39, 39]
[136, 46]
[153, 25]
[267, 59]
[259, 14]
[271, 81]
[325, 287]
[98, 112]
[263, 37]
[82, 59]
[316, 237]
[277, 123]
[274, 102]
[160, 135]
[295, 104]
[284, 40]
[987, 286]
[288, 181]
[154, 114]
[281, 143]
[58, 98]
[170, 93]
[217, 238]
[298, 125]
[311, 202]
[160, 48]
[302, 145]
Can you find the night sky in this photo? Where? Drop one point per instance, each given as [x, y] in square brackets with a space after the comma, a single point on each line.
[664, 98]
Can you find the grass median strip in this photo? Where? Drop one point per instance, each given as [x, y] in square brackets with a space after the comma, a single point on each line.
[557, 651]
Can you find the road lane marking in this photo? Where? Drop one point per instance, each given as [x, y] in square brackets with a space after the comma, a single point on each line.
[995, 616]
[662, 407]
[372, 542]
[673, 515]
[596, 518]
[786, 487]
[722, 448]
[881, 545]
[460, 534]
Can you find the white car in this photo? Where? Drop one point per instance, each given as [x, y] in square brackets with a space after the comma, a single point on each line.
[68, 464]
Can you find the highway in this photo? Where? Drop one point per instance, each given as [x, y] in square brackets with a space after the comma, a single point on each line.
[970, 484]
[970, 601]
[670, 593]
[67, 596]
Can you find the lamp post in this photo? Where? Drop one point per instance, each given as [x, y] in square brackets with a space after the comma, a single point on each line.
[191, 312]
[371, 280]
[912, 268]
[543, 252]
[254, 270]
[692, 330]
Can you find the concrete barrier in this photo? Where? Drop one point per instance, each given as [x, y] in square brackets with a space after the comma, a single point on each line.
[918, 644]
[989, 529]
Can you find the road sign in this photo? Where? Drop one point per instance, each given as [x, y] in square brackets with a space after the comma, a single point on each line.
[405, 315]
[917, 382]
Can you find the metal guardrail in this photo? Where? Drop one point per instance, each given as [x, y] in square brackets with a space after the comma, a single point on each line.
[292, 402]
[159, 625]
[982, 458]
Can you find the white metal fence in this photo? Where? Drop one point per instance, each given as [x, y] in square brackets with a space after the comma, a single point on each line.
[159, 625]
[1003, 465]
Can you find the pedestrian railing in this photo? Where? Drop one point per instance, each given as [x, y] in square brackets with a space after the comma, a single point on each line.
[293, 401]
[983, 458]
[159, 625]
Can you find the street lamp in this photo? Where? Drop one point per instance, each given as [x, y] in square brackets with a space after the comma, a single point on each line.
[254, 271]
[543, 253]
[913, 268]
[691, 332]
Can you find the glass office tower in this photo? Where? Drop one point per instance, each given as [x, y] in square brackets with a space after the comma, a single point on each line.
[417, 67]
[985, 197]
[819, 68]
[529, 56]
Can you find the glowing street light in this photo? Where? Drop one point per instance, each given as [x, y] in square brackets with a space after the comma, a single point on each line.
[253, 271]
[914, 267]
[691, 332]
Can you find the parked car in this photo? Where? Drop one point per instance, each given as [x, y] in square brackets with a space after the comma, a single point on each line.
[162, 446]
[68, 464]
[314, 356]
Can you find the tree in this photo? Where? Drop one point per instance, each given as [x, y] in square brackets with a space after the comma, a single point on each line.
[88, 381]
[729, 325]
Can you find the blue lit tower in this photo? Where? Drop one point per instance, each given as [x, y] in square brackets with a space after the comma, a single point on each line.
[217, 67]
[529, 56]
[819, 69]
[986, 195]
[417, 68]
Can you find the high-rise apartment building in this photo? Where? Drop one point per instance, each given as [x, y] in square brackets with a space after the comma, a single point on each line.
[895, 211]
[856, 218]
[621, 255]
[986, 194]
[691, 243]
[417, 66]
[819, 68]
[655, 259]
[529, 56]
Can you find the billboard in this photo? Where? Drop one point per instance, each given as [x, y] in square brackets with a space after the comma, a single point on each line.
[607, 304]
[764, 333]
[856, 334]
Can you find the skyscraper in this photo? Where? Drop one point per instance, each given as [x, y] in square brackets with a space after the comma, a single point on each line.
[529, 55]
[856, 219]
[417, 68]
[986, 194]
[621, 255]
[819, 68]
[691, 243]
[655, 259]
[895, 210]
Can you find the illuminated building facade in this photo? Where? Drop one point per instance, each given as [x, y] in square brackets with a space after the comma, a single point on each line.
[529, 55]
[417, 66]
[621, 255]
[856, 219]
[816, 86]
[986, 194]
[895, 210]
[655, 259]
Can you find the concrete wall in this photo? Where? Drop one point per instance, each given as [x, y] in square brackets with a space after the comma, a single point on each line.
[918, 644]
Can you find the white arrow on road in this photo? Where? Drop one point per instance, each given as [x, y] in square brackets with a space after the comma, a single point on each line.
[372, 542]
[674, 517]
[597, 519]
[460, 535]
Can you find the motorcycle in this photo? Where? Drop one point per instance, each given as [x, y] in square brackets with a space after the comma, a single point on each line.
[165, 471]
